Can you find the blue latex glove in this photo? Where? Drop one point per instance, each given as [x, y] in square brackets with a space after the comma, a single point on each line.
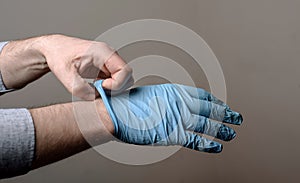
[170, 114]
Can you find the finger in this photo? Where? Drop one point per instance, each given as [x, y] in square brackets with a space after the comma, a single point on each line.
[199, 93]
[128, 84]
[76, 85]
[213, 111]
[82, 89]
[104, 73]
[90, 72]
[196, 142]
[120, 73]
[204, 125]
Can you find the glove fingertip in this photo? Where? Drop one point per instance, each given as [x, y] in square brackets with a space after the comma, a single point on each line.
[233, 117]
[225, 133]
[215, 147]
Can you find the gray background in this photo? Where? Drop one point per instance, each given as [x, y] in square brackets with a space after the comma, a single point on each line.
[258, 45]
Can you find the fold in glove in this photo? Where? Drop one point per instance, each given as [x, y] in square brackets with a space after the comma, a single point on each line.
[170, 114]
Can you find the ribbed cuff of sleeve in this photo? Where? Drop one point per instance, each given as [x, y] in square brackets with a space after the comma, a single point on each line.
[2, 44]
[17, 142]
[3, 89]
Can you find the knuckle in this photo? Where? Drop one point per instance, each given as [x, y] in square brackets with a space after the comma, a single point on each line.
[128, 69]
[105, 46]
[117, 85]
[102, 44]
[76, 90]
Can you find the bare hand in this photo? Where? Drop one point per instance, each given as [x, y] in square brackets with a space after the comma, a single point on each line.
[72, 60]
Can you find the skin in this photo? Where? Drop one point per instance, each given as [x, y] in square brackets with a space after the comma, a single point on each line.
[69, 59]
[59, 133]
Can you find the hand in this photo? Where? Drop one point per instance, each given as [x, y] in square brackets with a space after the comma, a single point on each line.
[72, 60]
[169, 114]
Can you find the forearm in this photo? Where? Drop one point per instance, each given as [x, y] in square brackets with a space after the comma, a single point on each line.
[33, 138]
[66, 129]
[22, 62]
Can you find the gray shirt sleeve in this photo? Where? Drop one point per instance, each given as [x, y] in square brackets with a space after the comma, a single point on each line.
[17, 138]
[17, 142]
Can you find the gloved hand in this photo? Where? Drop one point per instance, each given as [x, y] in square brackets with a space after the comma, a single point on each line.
[170, 114]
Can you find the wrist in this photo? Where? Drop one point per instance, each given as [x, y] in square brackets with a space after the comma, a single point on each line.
[104, 116]
[23, 47]
[21, 63]
[46, 44]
